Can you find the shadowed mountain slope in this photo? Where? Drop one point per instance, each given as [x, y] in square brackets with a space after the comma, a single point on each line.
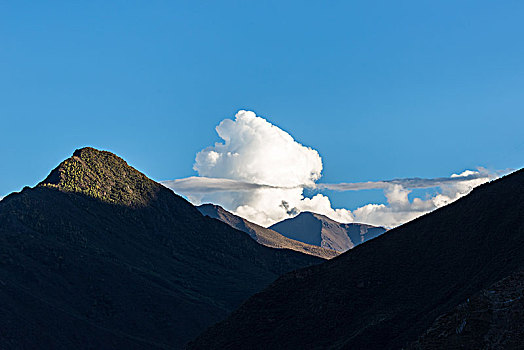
[491, 319]
[385, 293]
[263, 235]
[319, 230]
[99, 256]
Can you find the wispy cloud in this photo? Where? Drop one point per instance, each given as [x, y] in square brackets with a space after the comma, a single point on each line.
[201, 184]
[409, 183]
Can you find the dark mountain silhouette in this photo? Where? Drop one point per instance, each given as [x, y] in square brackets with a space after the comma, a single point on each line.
[99, 256]
[491, 319]
[385, 293]
[319, 230]
[263, 235]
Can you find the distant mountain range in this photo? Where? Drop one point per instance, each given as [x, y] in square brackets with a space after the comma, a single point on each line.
[321, 231]
[99, 256]
[307, 232]
[387, 292]
[264, 235]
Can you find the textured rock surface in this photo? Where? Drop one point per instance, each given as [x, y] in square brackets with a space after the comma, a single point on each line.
[491, 319]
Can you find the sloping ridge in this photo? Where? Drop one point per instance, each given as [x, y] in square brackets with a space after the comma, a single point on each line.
[264, 235]
[99, 256]
[386, 292]
[319, 230]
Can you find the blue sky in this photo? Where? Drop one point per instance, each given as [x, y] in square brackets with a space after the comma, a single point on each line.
[380, 89]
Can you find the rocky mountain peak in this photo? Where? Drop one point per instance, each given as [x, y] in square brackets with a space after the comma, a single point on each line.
[102, 175]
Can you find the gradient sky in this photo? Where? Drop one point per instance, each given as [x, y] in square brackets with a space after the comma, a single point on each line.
[382, 89]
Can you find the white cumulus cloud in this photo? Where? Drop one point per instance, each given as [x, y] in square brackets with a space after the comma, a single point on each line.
[269, 167]
[256, 151]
